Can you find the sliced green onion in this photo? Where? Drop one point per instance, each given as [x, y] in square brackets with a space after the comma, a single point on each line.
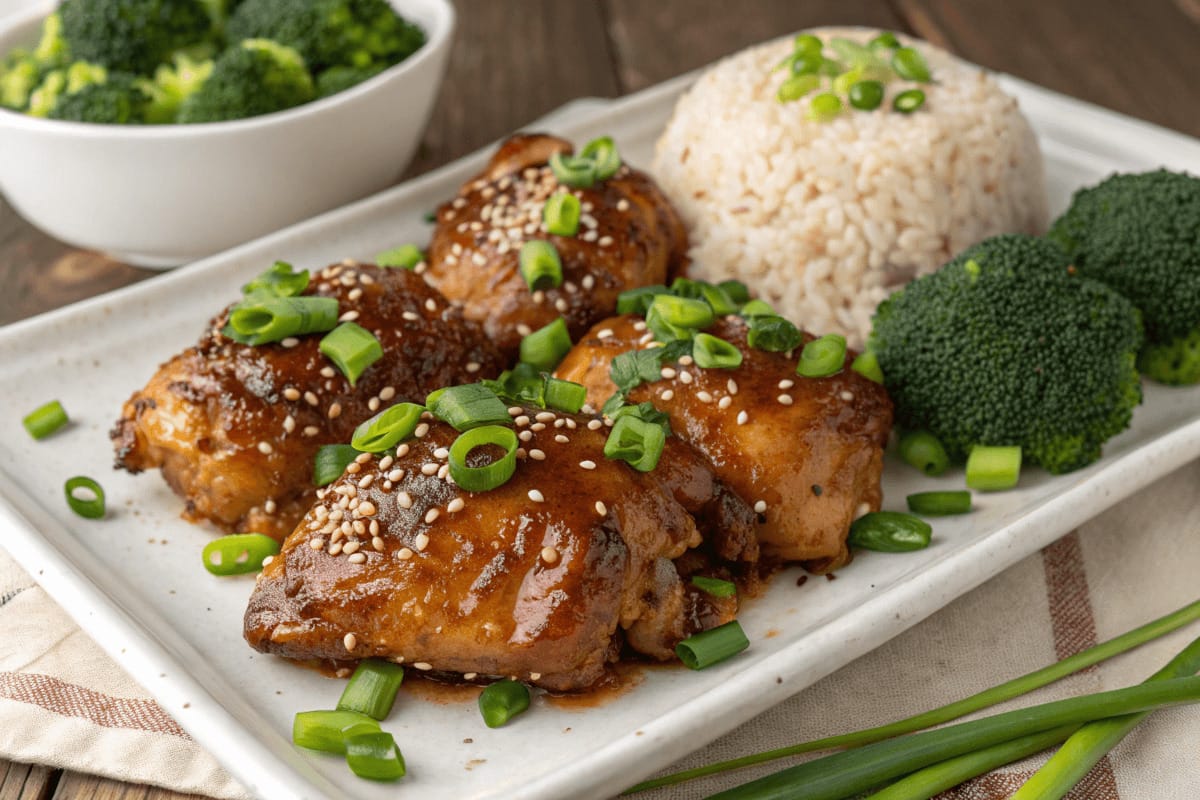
[406, 256]
[90, 507]
[545, 347]
[910, 65]
[667, 332]
[489, 476]
[686, 287]
[713, 353]
[851, 52]
[469, 406]
[714, 586]
[886, 40]
[540, 265]
[773, 333]
[737, 291]
[635, 367]
[831, 68]
[683, 312]
[603, 153]
[939, 504]
[323, 730]
[802, 64]
[279, 280]
[45, 420]
[712, 646]
[565, 395]
[646, 412]
[331, 462]
[848, 773]
[824, 107]
[637, 301]
[352, 348]
[797, 86]
[866, 364]
[372, 688]
[387, 428]
[757, 308]
[808, 43]
[374, 756]
[993, 469]
[922, 450]
[238, 554]
[264, 319]
[959, 708]
[636, 442]
[523, 385]
[573, 171]
[719, 299]
[909, 101]
[822, 357]
[501, 701]
[561, 214]
[866, 95]
[890, 532]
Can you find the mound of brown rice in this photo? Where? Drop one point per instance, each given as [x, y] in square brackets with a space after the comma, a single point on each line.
[824, 219]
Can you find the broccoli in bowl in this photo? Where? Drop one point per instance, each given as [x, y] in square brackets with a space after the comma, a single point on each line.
[1006, 345]
[190, 61]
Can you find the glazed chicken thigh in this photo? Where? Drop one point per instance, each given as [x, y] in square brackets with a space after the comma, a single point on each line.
[541, 579]
[806, 453]
[235, 428]
[629, 236]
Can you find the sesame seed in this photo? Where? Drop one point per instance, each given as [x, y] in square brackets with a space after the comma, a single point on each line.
[588, 282]
[549, 555]
[335, 410]
[561, 439]
[521, 421]
[411, 316]
[269, 506]
[545, 416]
[525, 436]
[732, 386]
[639, 326]
[357, 558]
[350, 548]
[423, 666]
[377, 544]
[373, 404]
[455, 505]
[595, 425]
[349, 316]
[385, 463]
[443, 471]
[685, 377]
[441, 452]
[785, 399]
[668, 395]
[560, 423]
[405, 500]
[430, 304]
[431, 515]
[524, 329]
[289, 341]
[336, 515]
[704, 397]
[537, 455]
[742, 418]
[350, 641]
[571, 425]
[289, 423]
[265, 448]
[601, 509]
[470, 676]
[588, 464]
[395, 475]
[387, 393]
[354, 294]
[604, 333]
[429, 468]
[291, 393]
[317, 543]
[725, 402]
[311, 430]
[536, 496]
[786, 383]
[366, 508]
[686, 361]
[760, 506]
[421, 430]
[404, 554]
[605, 241]
[561, 305]
[848, 396]
[515, 411]
[335, 549]
[402, 451]
[365, 480]
[311, 398]
[473, 366]
[622, 205]
[668, 373]
[421, 542]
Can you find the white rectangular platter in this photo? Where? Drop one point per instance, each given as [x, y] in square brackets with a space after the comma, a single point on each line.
[134, 580]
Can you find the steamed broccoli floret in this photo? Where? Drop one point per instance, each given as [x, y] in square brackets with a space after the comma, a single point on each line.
[256, 77]
[119, 99]
[132, 35]
[45, 96]
[52, 50]
[355, 33]
[1005, 346]
[19, 75]
[1140, 234]
[172, 85]
[339, 79]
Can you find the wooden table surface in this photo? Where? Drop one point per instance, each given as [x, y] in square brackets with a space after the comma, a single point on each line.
[514, 61]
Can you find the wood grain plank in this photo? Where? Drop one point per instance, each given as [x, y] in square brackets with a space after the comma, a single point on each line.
[658, 40]
[1137, 58]
[26, 781]
[512, 62]
[76, 786]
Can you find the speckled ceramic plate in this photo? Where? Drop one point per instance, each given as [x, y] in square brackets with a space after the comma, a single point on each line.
[135, 583]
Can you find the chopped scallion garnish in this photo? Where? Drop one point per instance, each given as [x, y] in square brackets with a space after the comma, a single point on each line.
[636, 442]
[937, 504]
[372, 688]
[352, 348]
[489, 476]
[279, 281]
[822, 357]
[603, 153]
[573, 171]
[682, 312]
[737, 291]
[561, 214]
[890, 532]
[468, 406]
[565, 395]
[713, 353]
[501, 701]
[387, 428]
[712, 646]
[540, 265]
[331, 461]
[719, 299]
[993, 469]
[406, 256]
[324, 730]
[91, 503]
[797, 86]
[910, 64]
[909, 101]
[714, 586]
[866, 364]
[45, 420]
[772, 333]
[238, 554]
[866, 95]
[824, 107]
[757, 308]
[637, 301]
[374, 756]
[546, 346]
[262, 319]
[924, 451]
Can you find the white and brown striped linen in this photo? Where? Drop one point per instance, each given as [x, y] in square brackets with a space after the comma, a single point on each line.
[63, 703]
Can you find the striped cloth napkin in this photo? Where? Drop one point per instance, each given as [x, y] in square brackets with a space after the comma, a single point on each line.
[64, 703]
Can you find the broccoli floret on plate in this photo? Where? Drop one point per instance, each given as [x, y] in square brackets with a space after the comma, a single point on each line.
[255, 77]
[173, 83]
[120, 99]
[132, 35]
[339, 79]
[1004, 345]
[1140, 234]
[21, 71]
[357, 33]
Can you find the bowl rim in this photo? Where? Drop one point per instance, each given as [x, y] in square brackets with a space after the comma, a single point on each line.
[439, 35]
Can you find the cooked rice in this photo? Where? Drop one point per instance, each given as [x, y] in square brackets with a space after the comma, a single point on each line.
[824, 219]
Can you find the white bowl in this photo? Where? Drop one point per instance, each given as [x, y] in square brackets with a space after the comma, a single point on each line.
[164, 195]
